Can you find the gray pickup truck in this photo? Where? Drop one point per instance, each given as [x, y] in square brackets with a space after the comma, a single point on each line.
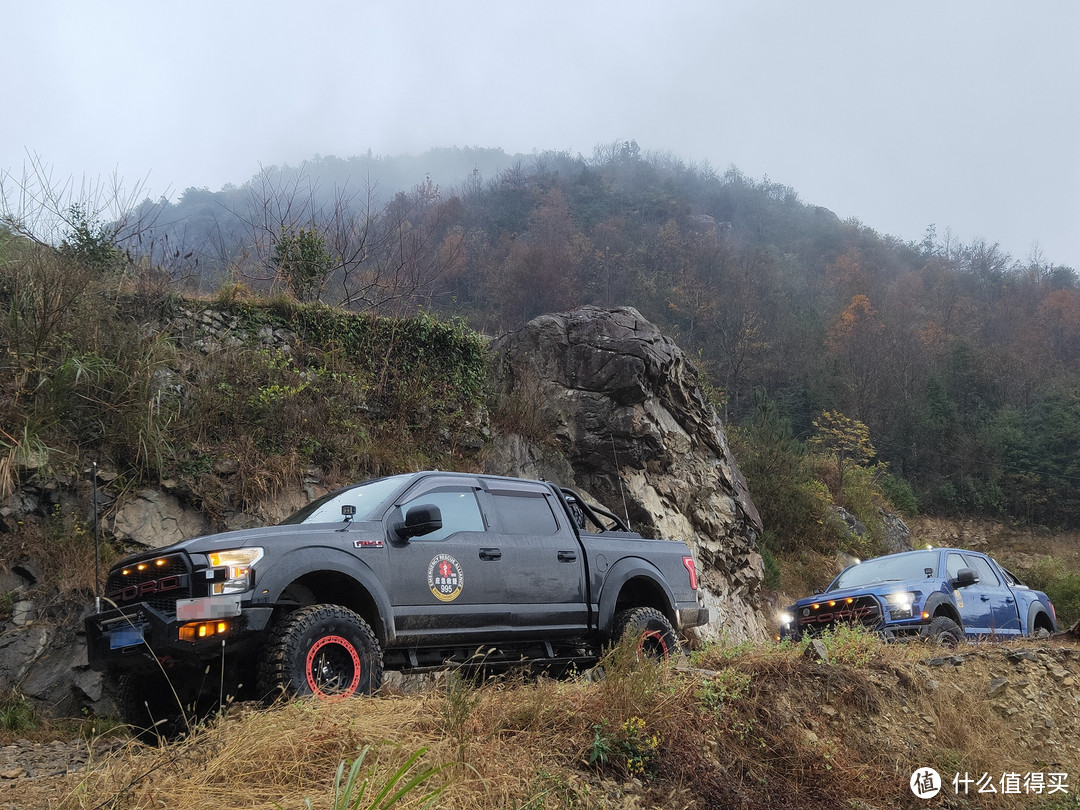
[404, 572]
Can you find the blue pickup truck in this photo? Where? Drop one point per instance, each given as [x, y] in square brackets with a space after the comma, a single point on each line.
[939, 594]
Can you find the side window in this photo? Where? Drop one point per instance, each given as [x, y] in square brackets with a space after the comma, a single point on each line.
[987, 576]
[460, 512]
[521, 513]
[953, 564]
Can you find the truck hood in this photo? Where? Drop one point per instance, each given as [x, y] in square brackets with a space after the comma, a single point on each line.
[316, 534]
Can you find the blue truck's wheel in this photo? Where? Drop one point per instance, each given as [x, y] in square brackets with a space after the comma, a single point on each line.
[323, 650]
[943, 630]
[655, 636]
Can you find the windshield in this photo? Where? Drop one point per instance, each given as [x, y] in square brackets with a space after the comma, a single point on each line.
[366, 497]
[888, 569]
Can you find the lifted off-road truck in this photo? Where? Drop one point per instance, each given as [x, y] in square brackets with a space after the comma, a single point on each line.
[404, 572]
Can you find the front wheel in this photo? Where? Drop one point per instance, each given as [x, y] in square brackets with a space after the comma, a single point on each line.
[323, 650]
[944, 631]
[655, 636]
[149, 704]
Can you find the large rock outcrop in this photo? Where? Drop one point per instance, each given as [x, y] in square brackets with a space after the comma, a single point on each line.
[630, 426]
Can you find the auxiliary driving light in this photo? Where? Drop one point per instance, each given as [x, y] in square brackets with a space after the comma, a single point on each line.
[194, 631]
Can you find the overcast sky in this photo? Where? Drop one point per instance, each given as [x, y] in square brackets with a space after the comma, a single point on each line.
[962, 113]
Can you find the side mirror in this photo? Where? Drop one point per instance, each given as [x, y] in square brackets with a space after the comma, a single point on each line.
[420, 520]
[965, 577]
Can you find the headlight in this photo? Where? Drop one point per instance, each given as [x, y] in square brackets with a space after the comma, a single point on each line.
[784, 619]
[233, 569]
[900, 604]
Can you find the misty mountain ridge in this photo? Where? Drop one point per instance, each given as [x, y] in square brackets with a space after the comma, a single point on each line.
[963, 361]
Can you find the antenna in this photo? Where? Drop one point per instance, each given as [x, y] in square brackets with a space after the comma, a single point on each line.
[97, 539]
[618, 478]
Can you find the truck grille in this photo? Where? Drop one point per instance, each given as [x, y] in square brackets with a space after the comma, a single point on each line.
[864, 610]
[154, 581]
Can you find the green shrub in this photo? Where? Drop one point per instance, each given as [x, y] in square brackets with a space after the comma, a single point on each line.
[1061, 584]
[900, 494]
[16, 713]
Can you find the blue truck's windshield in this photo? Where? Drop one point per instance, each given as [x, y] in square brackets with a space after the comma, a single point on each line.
[888, 569]
[365, 497]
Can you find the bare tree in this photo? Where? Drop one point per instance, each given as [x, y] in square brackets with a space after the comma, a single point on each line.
[380, 260]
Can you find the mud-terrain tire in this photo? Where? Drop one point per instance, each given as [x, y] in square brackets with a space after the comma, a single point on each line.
[944, 631]
[148, 704]
[322, 650]
[655, 636]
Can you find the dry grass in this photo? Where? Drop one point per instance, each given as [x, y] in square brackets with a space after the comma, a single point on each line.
[747, 727]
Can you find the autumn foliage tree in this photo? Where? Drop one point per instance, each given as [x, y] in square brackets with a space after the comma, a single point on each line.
[843, 439]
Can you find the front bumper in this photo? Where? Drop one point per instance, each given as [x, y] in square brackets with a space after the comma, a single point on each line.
[141, 637]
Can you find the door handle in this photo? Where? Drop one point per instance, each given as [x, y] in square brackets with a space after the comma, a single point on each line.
[490, 554]
[567, 556]
[985, 598]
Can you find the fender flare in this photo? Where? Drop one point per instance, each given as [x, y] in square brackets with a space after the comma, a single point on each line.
[1034, 611]
[617, 576]
[936, 600]
[318, 559]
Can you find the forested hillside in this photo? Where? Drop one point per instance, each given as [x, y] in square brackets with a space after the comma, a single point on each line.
[961, 363]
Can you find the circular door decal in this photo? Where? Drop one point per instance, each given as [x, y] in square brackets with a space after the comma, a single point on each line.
[445, 578]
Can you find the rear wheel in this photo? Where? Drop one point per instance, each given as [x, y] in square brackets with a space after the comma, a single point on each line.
[323, 650]
[655, 636]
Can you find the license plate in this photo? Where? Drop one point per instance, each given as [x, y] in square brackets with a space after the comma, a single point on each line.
[125, 637]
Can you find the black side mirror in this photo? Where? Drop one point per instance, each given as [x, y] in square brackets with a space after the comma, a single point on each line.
[420, 520]
[965, 577]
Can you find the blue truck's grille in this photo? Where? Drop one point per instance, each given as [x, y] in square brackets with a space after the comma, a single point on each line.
[154, 581]
[864, 610]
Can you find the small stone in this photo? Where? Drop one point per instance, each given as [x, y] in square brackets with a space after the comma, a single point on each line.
[1021, 655]
[997, 686]
[816, 650]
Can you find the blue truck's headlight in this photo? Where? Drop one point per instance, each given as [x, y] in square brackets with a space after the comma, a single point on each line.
[900, 604]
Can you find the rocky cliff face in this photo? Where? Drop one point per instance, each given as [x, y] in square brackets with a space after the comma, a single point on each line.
[630, 426]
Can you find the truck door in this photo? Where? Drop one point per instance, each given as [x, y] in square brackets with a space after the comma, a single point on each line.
[1005, 616]
[542, 558]
[974, 608]
[446, 586]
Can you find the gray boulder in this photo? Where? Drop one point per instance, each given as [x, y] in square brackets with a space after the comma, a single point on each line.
[629, 425]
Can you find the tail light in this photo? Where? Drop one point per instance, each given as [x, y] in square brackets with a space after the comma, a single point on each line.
[689, 563]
